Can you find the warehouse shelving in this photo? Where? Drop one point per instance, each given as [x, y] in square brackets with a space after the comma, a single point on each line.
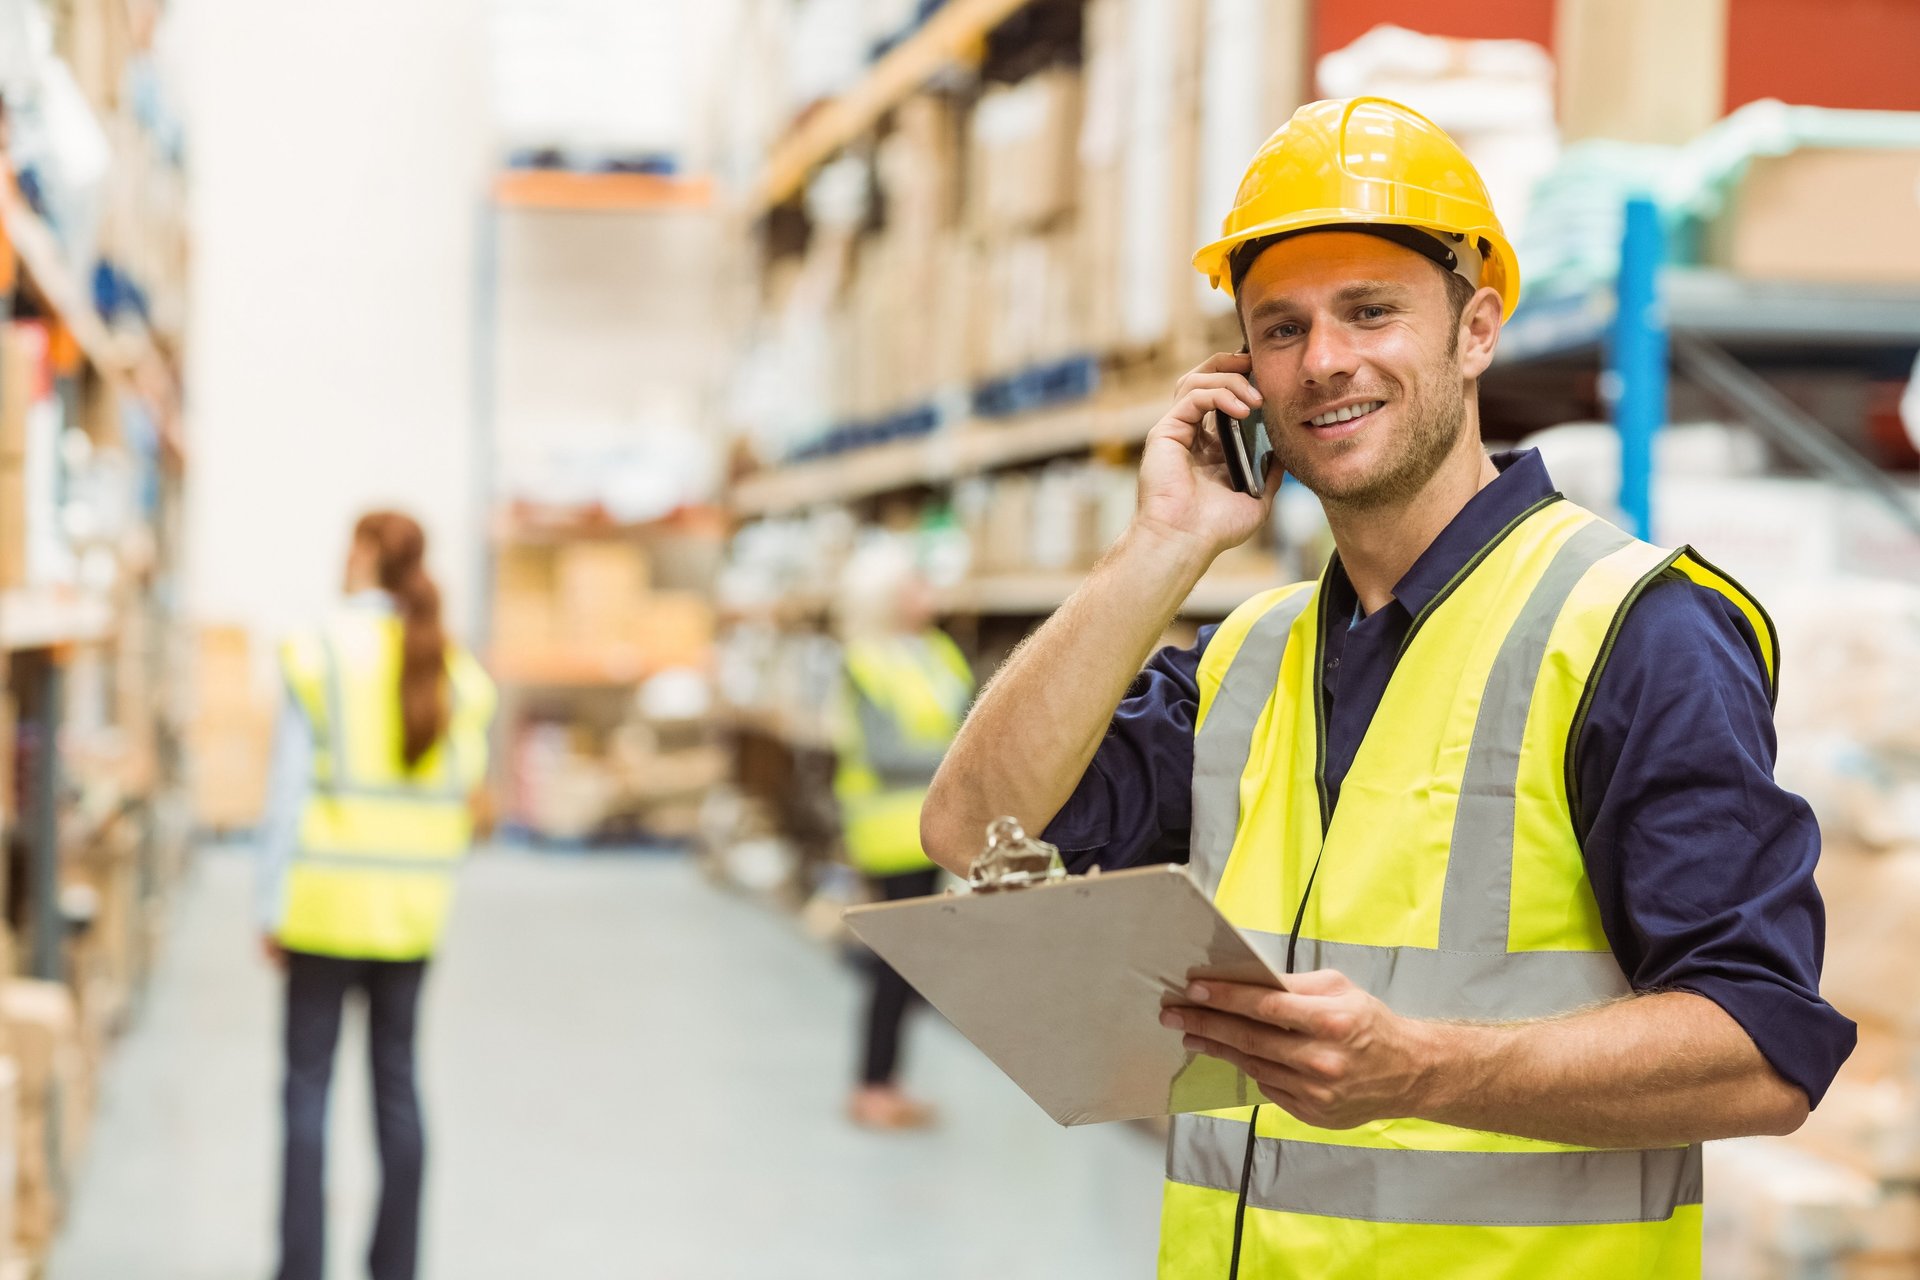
[1712, 305]
[1729, 310]
[956, 31]
[572, 670]
[127, 357]
[45, 618]
[1032, 594]
[562, 190]
[1656, 320]
[966, 448]
[76, 790]
[1038, 594]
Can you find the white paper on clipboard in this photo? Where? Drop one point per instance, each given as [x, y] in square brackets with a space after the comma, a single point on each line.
[1062, 984]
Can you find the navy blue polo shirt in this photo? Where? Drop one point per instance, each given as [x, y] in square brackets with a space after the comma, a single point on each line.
[1701, 863]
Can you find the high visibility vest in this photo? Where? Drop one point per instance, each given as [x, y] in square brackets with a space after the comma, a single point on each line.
[372, 872]
[1449, 883]
[914, 689]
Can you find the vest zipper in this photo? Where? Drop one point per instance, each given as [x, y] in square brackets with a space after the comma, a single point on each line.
[1240, 1209]
[1300, 912]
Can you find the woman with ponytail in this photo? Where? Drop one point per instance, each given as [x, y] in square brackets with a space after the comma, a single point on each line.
[378, 763]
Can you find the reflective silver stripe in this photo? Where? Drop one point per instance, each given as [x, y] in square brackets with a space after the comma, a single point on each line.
[336, 738]
[416, 864]
[1478, 901]
[441, 794]
[1500, 987]
[336, 783]
[1223, 744]
[1444, 1188]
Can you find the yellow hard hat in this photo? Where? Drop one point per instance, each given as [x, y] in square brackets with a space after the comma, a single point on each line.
[1366, 162]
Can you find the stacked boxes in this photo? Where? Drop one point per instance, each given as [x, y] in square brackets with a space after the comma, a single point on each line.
[231, 733]
[54, 1104]
[1031, 225]
[23, 379]
[1785, 223]
[590, 602]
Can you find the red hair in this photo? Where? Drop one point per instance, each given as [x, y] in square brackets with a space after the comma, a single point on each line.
[400, 549]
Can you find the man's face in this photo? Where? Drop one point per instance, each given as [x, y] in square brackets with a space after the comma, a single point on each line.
[1346, 324]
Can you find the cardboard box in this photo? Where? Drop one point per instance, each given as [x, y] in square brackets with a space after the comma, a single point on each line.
[523, 601]
[590, 576]
[13, 524]
[1830, 215]
[224, 679]
[1024, 137]
[675, 628]
[9, 1160]
[1640, 70]
[43, 1034]
[1009, 525]
[23, 381]
[229, 765]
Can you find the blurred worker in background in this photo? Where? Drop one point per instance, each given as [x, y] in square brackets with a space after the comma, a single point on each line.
[906, 690]
[379, 755]
[1496, 792]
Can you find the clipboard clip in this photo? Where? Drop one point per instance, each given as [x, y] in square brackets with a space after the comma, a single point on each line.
[1013, 860]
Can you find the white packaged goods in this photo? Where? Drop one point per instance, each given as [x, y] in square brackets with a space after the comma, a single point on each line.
[1062, 504]
[1775, 1211]
[1148, 221]
[1849, 712]
[1584, 458]
[1023, 136]
[1765, 531]
[1253, 74]
[592, 77]
[828, 49]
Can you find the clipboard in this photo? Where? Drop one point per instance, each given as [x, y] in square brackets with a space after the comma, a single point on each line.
[1061, 985]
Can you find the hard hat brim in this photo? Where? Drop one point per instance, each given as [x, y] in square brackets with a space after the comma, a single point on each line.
[1501, 271]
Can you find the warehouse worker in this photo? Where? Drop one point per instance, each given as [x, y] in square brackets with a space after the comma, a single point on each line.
[906, 686]
[1496, 791]
[379, 752]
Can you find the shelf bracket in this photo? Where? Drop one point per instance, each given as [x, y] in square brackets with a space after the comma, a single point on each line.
[1707, 364]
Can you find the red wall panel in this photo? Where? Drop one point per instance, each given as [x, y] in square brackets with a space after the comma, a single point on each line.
[1338, 23]
[1824, 53]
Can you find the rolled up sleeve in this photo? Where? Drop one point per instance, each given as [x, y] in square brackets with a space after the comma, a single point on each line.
[1702, 865]
[1134, 804]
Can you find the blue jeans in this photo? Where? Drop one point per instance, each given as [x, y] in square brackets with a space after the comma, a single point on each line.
[317, 988]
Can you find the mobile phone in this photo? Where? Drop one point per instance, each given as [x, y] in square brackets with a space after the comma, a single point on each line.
[1248, 450]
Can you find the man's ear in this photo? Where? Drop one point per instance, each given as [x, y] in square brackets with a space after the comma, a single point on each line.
[1479, 332]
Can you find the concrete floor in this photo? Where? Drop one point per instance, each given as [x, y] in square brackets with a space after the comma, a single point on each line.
[627, 1073]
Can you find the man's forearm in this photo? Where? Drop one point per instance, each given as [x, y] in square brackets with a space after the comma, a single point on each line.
[1653, 1070]
[1036, 725]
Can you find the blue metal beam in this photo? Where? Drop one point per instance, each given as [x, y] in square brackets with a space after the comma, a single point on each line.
[1637, 360]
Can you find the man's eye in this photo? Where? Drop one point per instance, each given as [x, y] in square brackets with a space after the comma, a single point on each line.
[1284, 331]
[1373, 311]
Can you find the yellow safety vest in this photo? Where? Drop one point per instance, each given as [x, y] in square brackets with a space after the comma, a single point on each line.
[372, 873]
[1470, 752]
[915, 688]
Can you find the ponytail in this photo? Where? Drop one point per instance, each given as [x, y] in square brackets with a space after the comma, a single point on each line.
[402, 549]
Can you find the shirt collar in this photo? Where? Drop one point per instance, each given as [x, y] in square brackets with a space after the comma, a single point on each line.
[1522, 482]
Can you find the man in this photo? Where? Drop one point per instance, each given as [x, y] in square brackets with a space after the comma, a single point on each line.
[1496, 792]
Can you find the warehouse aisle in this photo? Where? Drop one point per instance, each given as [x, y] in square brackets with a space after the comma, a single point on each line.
[629, 1074]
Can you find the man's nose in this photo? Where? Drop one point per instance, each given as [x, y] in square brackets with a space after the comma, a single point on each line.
[1329, 356]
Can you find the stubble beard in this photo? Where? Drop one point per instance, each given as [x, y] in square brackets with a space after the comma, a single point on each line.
[1432, 431]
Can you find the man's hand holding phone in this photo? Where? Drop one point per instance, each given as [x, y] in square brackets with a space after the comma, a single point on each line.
[1186, 487]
